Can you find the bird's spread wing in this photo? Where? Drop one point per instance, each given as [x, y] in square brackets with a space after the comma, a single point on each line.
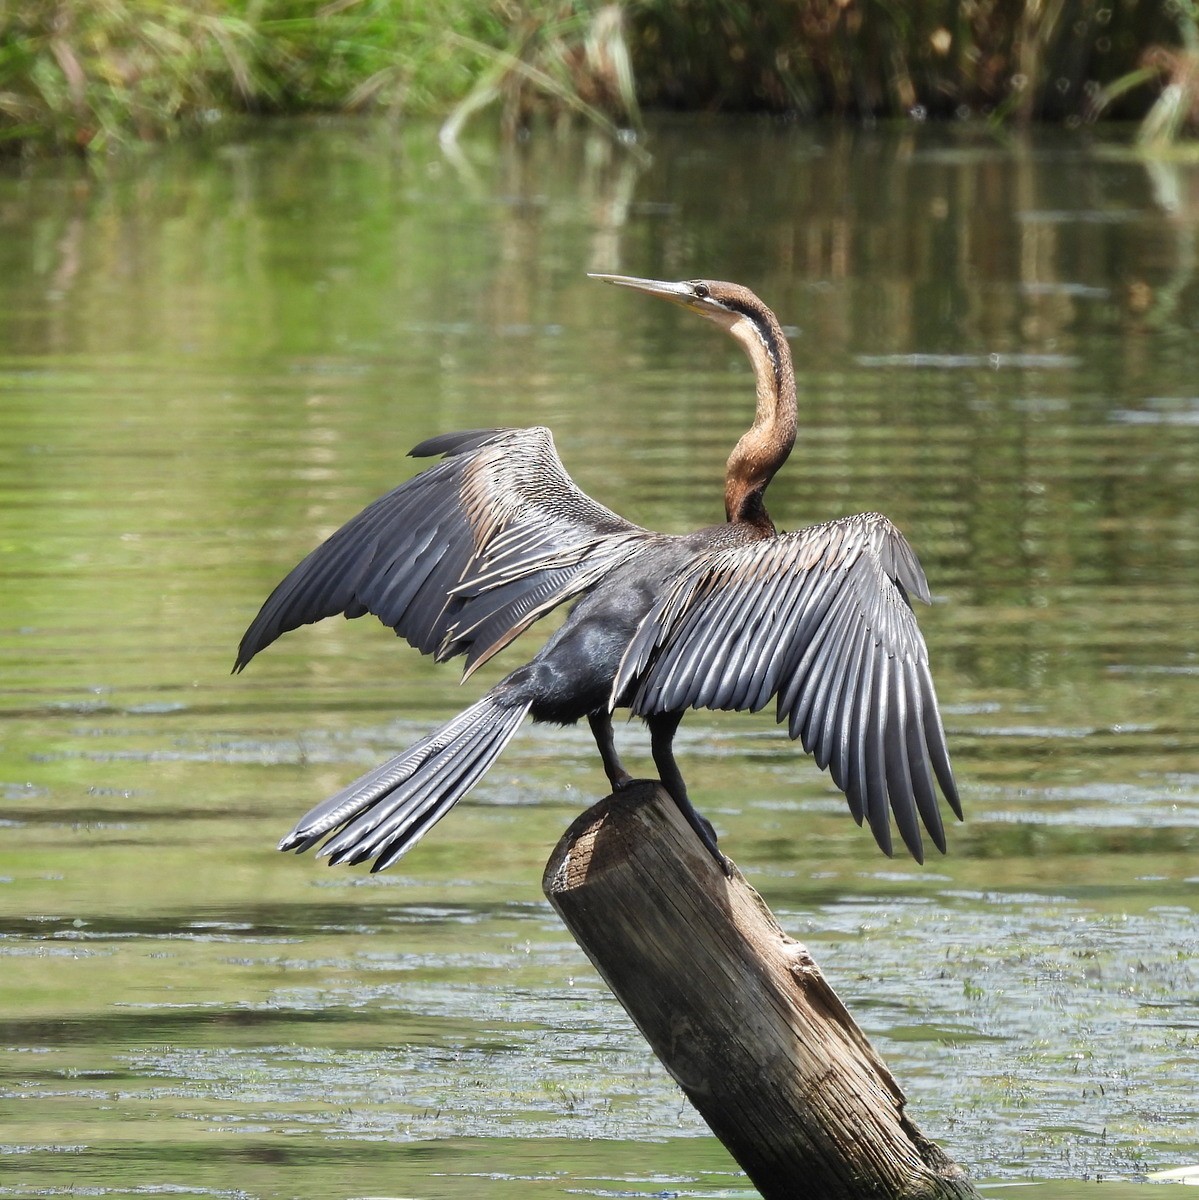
[462, 557]
[820, 619]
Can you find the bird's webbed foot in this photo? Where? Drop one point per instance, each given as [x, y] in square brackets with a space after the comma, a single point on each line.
[706, 831]
[707, 835]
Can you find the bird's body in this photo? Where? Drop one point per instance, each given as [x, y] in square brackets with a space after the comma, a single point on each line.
[572, 676]
[467, 554]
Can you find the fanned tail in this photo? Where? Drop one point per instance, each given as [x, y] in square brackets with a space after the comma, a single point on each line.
[388, 810]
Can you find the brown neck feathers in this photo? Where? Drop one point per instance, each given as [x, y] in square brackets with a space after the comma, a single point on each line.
[768, 441]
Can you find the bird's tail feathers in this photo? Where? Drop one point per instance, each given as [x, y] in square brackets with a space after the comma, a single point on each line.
[388, 810]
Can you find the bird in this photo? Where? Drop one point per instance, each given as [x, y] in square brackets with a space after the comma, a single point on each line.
[464, 556]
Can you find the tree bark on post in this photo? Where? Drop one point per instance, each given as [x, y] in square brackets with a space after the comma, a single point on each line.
[737, 1011]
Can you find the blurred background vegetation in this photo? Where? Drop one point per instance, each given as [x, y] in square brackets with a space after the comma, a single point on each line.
[95, 74]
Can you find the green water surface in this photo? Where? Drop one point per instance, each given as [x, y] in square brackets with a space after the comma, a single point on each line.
[211, 356]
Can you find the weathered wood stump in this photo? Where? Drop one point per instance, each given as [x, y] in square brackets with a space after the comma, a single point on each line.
[737, 1011]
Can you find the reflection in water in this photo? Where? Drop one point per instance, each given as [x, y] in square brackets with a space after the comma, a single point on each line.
[213, 357]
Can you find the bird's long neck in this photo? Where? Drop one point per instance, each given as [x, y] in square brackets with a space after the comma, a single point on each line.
[766, 444]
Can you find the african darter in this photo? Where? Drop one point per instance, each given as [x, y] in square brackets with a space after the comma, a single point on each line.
[467, 554]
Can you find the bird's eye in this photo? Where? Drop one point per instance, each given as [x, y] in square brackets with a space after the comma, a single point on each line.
[702, 291]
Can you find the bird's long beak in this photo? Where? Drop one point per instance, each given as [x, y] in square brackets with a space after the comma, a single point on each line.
[680, 293]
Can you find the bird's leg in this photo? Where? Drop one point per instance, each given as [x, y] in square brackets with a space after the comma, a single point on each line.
[601, 729]
[661, 732]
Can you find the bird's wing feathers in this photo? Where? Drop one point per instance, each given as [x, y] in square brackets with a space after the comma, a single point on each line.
[819, 619]
[462, 557]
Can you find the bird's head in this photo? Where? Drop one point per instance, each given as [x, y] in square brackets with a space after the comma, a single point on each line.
[737, 311]
[723, 303]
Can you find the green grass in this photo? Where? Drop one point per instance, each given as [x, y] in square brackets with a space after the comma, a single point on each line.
[94, 74]
[97, 73]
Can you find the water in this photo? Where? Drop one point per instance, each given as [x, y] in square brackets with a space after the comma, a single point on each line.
[212, 356]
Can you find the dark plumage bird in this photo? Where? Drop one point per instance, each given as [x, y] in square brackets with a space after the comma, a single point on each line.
[467, 554]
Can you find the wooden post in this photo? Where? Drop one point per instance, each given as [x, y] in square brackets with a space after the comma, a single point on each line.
[737, 1011]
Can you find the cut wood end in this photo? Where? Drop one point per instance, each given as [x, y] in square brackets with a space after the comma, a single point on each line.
[622, 828]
